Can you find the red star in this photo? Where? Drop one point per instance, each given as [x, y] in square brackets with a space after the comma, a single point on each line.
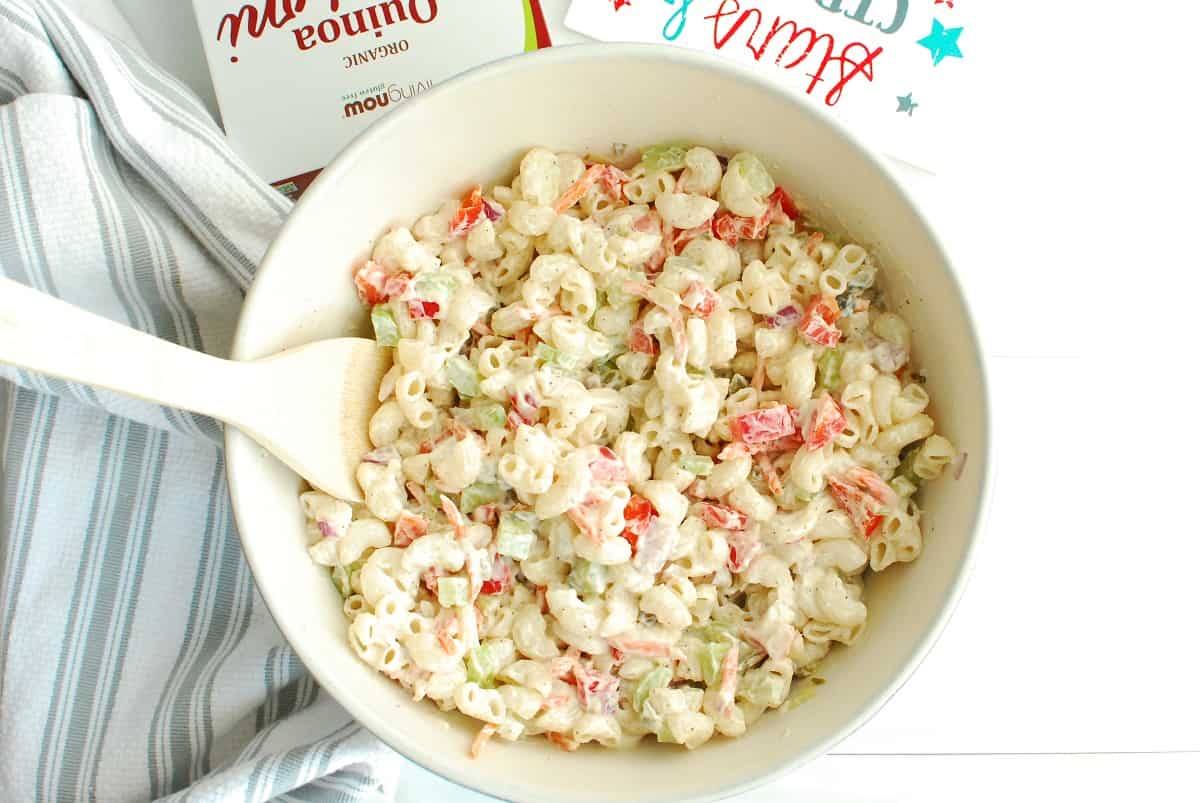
[620, 4]
[949, 3]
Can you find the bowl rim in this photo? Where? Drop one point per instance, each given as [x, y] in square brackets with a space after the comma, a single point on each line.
[603, 51]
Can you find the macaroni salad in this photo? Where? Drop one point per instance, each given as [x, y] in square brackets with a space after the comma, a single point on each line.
[645, 433]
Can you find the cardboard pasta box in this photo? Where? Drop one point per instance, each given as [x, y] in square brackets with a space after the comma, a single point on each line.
[298, 79]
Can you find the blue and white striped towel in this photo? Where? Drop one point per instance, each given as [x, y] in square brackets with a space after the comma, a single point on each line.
[136, 658]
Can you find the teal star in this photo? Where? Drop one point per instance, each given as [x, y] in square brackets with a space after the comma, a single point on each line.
[942, 42]
[906, 104]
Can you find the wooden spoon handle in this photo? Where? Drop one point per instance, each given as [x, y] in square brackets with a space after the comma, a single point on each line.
[49, 336]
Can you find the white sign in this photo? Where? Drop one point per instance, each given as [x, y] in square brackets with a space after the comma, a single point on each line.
[890, 69]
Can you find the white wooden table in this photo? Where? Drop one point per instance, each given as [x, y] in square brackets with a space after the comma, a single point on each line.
[1072, 665]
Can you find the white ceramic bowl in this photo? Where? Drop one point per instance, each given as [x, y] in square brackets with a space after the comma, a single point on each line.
[586, 98]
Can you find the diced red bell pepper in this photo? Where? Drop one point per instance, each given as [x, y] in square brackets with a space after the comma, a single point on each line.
[744, 547]
[784, 203]
[418, 310]
[597, 690]
[397, 285]
[684, 236]
[862, 509]
[371, 281]
[470, 212]
[607, 467]
[824, 423]
[641, 342]
[526, 406]
[760, 426]
[781, 319]
[729, 228]
[724, 517]
[638, 513]
[701, 300]
[501, 579]
[652, 223]
[408, 528]
[818, 322]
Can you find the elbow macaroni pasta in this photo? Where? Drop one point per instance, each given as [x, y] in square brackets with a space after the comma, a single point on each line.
[644, 437]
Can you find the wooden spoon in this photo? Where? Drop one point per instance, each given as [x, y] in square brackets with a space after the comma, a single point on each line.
[308, 406]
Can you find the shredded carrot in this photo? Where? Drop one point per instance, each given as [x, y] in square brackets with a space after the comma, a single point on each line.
[679, 335]
[563, 742]
[446, 629]
[728, 687]
[417, 493]
[579, 515]
[455, 516]
[774, 485]
[481, 739]
[760, 374]
[646, 649]
[610, 177]
[814, 240]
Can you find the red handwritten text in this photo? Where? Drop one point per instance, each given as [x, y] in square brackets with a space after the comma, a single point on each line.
[854, 59]
[255, 19]
[255, 22]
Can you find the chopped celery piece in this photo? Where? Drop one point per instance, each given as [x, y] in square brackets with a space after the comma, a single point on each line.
[489, 416]
[607, 370]
[435, 286]
[903, 485]
[711, 655]
[386, 332]
[587, 577]
[435, 496]
[663, 733]
[698, 464]
[829, 368]
[462, 375]
[749, 656]
[665, 156]
[516, 545]
[517, 521]
[737, 382]
[341, 579]
[452, 591]
[657, 678]
[553, 356]
[481, 665]
[616, 291]
[514, 536]
[754, 172]
[761, 687]
[479, 494]
[713, 631]
[802, 691]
